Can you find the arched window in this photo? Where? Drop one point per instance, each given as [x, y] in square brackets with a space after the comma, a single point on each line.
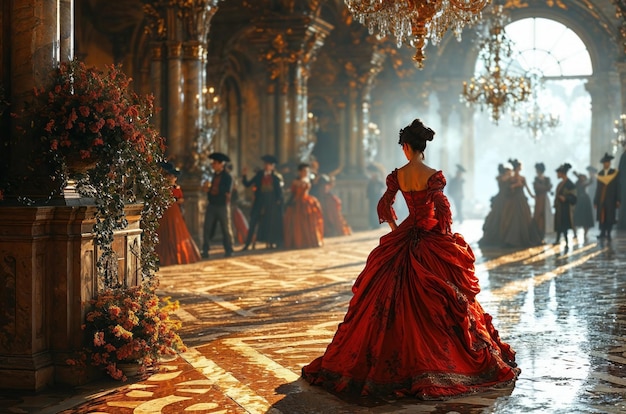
[548, 48]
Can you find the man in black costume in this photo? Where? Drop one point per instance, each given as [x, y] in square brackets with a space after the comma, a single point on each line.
[218, 210]
[607, 197]
[621, 172]
[267, 207]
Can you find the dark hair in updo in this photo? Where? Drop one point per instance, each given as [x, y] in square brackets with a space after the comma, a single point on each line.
[416, 135]
[540, 167]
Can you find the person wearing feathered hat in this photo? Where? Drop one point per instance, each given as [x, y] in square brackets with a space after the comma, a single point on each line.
[455, 191]
[267, 207]
[218, 209]
[564, 202]
[607, 197]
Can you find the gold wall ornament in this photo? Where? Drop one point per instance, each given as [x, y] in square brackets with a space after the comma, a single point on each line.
[415, 21]
[494, 88]
[155, 19]
[279, 56]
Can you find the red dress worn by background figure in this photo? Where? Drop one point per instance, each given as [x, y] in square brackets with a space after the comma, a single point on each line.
[414, 326]
[335, 223]
[303, 219]
[176, 246]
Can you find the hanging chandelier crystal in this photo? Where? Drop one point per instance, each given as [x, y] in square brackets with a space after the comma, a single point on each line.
[537, 122]
[531, 117]
[495, 89]
[415, 21]
[620, 133]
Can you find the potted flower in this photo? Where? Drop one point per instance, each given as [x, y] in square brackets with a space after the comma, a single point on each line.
[125, 326]
[94, 128]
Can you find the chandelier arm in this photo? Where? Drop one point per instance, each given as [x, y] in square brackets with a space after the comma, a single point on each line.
[473, 7]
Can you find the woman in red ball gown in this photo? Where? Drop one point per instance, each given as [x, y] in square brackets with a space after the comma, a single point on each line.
[176, 246]
[414, 326]
[335, 223]
[303, 219]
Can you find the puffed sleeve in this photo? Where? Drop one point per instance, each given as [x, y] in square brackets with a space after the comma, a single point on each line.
[570, 193]
[443, 215]
[386, 212]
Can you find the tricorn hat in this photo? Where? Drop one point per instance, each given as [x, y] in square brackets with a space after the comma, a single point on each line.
[218, 156]
[270, 159]
[169, 168]
[459, 167]
[607, 157]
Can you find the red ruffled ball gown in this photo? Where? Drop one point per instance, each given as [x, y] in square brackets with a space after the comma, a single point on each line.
[414, 326]
[176, 246]
[335, 223]
[303, 219]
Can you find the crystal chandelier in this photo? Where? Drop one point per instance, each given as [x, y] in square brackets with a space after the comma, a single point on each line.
[620, 133]
[415, 21]
[371, 141]
[210, 112]
[495, 89]
[533, 118]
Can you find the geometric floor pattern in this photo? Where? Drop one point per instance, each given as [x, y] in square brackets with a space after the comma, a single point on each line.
[253, 320]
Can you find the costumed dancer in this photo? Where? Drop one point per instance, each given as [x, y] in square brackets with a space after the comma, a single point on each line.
[542, 214]
[414, 326]
[176, 246]
[564, 202]
[218, 209]
[266, 214]
[304, 221]
[607, 198]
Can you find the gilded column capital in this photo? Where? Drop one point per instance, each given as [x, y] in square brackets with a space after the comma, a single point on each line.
[195, 17]
[174, 50]
[193, 50]
[157, 51]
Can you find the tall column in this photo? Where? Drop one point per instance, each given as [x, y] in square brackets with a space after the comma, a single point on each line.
[156, 68]
[66, 30]
[287, 56]
[175, 112]
[468, 159]
[604, 90]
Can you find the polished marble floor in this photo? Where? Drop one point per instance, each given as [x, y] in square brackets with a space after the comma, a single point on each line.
[253, 320]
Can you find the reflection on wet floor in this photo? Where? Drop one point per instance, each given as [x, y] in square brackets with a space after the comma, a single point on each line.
[252, 321]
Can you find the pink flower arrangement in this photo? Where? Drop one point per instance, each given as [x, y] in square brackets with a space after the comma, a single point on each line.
[87, 112]
[129, 325]
[94, 128]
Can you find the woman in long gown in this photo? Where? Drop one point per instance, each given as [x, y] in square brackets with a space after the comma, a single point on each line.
[564, 202]
[303, 220]
[542, 215]
[335, 223]
[491, 227]
[176, 246]
[517, 225]
[414, 326]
